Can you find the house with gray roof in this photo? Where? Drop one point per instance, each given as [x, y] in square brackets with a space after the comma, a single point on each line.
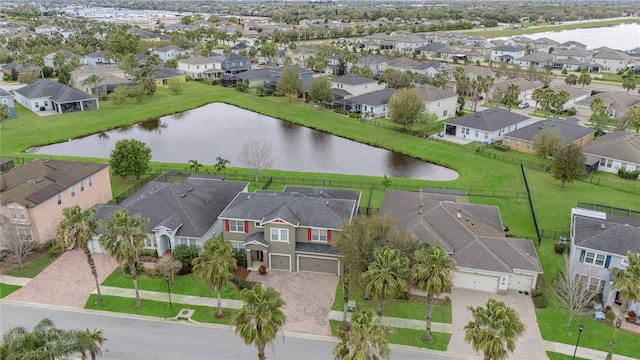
[7, 100]
[609, 61]
[599, 243]
[290, 230]
[52, 95]
[169, 52]
[441, 102]
[473, 235]
[486, 126]
[431, 68]
[618, 103]
[506, 53]
[538, 60]
[183, 213]
[373, 104]
[569, 130]
[354, 85]
[613, 151]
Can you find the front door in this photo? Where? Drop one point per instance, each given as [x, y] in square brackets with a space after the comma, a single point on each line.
[260, 254]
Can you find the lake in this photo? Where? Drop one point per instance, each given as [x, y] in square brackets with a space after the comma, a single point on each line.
[218, 129]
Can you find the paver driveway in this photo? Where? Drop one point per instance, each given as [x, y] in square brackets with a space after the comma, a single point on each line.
[309, 297]
[66, 282]
[529, 346]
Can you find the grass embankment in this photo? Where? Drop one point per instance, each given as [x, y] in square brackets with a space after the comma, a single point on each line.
[185, 285]
[534, 28]
[32, 267]
[203, 314]
[558, 356]
[6, 289]
[408, 337]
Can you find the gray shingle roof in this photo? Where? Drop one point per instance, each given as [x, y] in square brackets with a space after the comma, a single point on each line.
[4, 93]
[431, 47]
[619, 235]
[430, 93]
[352, 80]
[257, 237]
[570, 131]
[620, 145]
[58, 92]
[508, 48]
[489, 120]
[374, 98]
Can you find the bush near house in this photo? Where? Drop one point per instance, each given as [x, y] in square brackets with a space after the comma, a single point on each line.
[628, 175]
[540, 297]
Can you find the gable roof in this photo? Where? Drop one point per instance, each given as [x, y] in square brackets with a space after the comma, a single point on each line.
[4, 93]
[475, 238]
[431, 47]
[620, 145]
[170, 48]
[489, 120]
[606, 232]
[190, 207]
[618, 100]
[508, 48]
[196, 60]
[478, 70]
[403, 62]
[374, 98]
[524, 84]
[430, 93]
[537, 57]
[41, 179]
[350, 79]
[569, 130]
[56, 91]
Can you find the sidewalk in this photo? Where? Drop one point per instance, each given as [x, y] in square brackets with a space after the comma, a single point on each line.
[12, 280]
[402, 323]
[176, 298]
[582, 352]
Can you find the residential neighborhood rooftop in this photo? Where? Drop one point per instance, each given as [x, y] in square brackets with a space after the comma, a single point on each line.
[489, 119]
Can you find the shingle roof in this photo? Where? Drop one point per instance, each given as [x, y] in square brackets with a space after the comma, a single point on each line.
[197, 60]
[321, 249]
[56, 91]
[430, 93]
[374, 98]
[431, 47]
[618, 235]
[475, 239]
[489, 120]
[537, 57]
[352, 80]
[4, 93]
[620, 101]
[403, 62]
[254, 74]
[620, 145]
[508, 48]
[570, 131]
[478, 70]
[41, 179]
[170, 48]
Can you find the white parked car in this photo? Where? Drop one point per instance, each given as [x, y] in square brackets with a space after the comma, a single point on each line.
[523, 105]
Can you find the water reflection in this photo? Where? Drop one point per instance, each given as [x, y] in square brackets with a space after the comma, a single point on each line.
[219, 130]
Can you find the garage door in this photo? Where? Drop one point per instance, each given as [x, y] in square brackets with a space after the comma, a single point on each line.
[279, 262]
[476, 282]
[520, 282]
[311, 264]
[95, 248]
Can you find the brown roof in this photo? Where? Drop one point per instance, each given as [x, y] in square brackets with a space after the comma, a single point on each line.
[41, 179]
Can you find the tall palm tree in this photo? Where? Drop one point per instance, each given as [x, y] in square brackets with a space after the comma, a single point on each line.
[77, 230]
[195, 165]
[493, 328]
[627, 283]
[215, 265]
[96, 337]
[387, 275]
[433, 274]
[440, 79]
[511, 95]
[92, 80]
[261, 317]
[486, 86]
[366, 334]
[124, 238]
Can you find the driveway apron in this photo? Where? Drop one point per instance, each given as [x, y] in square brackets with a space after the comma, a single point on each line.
[66, 282]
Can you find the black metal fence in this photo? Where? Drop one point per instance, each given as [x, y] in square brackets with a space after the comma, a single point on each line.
[609, 209]
[629, 186]
[158, 175]
[526, 163]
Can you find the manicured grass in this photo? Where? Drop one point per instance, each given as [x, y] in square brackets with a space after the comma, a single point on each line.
[33, 267]
[408, 337]
[6, 289]
[532, 28]
[405, 309]
[185, 285]
[558, 356]
[159, 309]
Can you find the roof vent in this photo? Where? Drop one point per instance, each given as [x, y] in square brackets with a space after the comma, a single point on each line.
[248, 196]
[421, 204]
[459, 216]
[420, 211]
[602, 226]
[190, 189]
[326, 202]
[183, 195]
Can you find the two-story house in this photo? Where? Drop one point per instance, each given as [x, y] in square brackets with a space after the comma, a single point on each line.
[200, 67]
[7, 100]
[537, 59]
[233, 63]
[290, 230]
[506, 53]
[609, 61]
[569, 130]
[573, 58]
[600, 242]
[348, 86]
[97, 58]
[442, 103]
[33, 195]
[169, 52]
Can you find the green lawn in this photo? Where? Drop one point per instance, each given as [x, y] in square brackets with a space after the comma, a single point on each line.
[6, 289]
[405, 309]
[408, 337]
[558, 356]
[33, 267]
[159, 309]
[185, 285]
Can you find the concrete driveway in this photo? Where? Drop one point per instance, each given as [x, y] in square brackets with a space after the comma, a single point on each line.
[529, 346]
[309, 297]
[66, 282]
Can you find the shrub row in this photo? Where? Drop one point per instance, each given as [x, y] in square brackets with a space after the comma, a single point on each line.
[628, 175]
[540, 298]
[561, 248]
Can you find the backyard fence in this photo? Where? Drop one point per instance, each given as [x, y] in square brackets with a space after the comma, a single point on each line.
[526, 163]
[609, 209]
[628, 186]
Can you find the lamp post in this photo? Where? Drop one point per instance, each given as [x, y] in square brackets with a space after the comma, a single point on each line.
[580, 328]
[169, 291]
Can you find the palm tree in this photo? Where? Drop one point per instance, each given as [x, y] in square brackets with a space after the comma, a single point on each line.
[96, 337]
[440, 79]
[125, 236]
[194, 165]
[215, 265]
[433, 274]
[92, 80]
[77, 230]
[261, 317]
[4, 113]
[486, 86]
[493, 327]
[45, 341]
[627, 283]
[511, 95]
[366, 333]
[387, 275]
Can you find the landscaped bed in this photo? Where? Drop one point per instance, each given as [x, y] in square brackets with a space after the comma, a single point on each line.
[6, 289]
[34, 263]
[408, 337]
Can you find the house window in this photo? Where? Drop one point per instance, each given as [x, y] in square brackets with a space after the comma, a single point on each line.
[72, 191]
[507, 141]
[444, 113]
[594, 258]
[150, 243]
[21, 214]
[37, 104]
[528, 145]
[258, 224]
[517, 143]
[623, 166]
[58, 199]
[477, 132]
[14, 214]
[25, 234]
[595, 284]
[237, 246]
[319, 235]
[46, 103]
[624, 261]
[603, 162]
[236, 226]
[280, 235]
[609, 163]
[82, 186]
[486, 135]
[90, 181]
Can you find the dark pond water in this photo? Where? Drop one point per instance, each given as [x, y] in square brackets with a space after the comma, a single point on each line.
[217, 129]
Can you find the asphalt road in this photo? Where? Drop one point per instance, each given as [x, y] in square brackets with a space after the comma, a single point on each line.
[142, 339]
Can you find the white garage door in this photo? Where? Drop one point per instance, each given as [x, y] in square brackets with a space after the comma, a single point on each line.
[476, 282]
[518, 282]
[95, 248]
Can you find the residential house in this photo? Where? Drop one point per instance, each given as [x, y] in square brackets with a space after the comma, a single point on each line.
[304, 75]
[573, 59]
[523, 139]
[506, 53]
[442, 103]
[403, 41]
[372, 104]
[183, 213]
[377, 64]
[148, 36]
[233, 63]
[571, 45]
[169, 52]
[576, 94]
[52, 95]
[66, 32]
[45, 29]
[430, 50]
[609, 62]
[599, 243]
[618, 101]
[98, 58]
[544, 44]
[109, 78]
[300, 56]
[239, 47]
[613, 151]
[162, 75]
[526, 88]
[290, 230]
[200, 67]
[473, 71]
[48, 59]
[403, 64]
[537, 60]
[486, 126]
[473, 235]
[254, 77]
[431, 68]
[8, 69]
[7, 99]
[347, 86]
[33, 195]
